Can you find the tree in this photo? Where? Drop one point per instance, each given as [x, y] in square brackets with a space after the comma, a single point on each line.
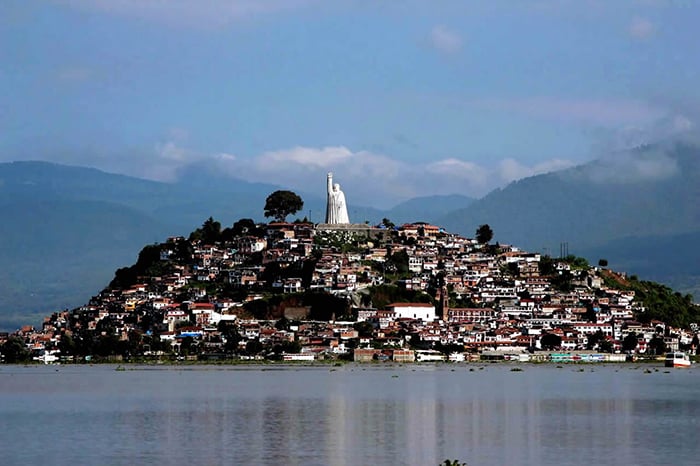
[563, 281]
[399, 260]
[630, 342]
[546, 265]
[148, 263]
[282, 324]
[513, 269]
[595, 339]
[364, 329]
[388, 224]
[657, 345]
[603, 262]
[448, 348]
[14, 350]
[484, 234]
[208, 233]
[606, 346]
[550, 341]
[66, 345]
[287, 347]
[187, 345]
[254, 347]
[282, 203]
[244, 226]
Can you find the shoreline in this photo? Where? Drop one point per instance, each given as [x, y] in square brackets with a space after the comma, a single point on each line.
[334, 365]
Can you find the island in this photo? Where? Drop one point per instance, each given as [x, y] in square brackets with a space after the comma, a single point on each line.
[296, 291]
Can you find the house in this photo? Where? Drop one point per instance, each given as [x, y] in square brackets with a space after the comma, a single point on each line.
[363, 355]
[478, 314]
[403, 355]
[418, 311]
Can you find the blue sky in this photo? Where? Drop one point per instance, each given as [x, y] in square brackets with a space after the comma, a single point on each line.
[398, 98]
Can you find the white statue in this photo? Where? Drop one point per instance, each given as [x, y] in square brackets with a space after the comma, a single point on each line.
[336, 209]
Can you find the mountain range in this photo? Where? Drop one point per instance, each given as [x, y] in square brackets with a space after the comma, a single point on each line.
[639, 209]
[66, 229]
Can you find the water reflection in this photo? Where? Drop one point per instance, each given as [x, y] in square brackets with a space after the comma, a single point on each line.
[355, 415]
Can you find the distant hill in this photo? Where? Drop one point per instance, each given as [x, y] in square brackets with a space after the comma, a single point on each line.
[183, 205]
[57, 253]
[65, 229]
[672, 259]
[429, 209]
[652, 191]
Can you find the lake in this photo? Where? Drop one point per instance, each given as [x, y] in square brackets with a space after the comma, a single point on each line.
[350, 415]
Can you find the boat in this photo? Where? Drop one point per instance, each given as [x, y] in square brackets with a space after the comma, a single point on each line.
[677, 359]
[47, 358]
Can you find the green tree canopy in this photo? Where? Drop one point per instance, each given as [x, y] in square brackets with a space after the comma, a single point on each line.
[550, 341]
[147, 264]
[208, 233]
[630, 342]
[399, 260]
[660, 301]
[244, 226]
[546, 265]
[282, 203]
[484, 234]
[595, 339]
[14, 350]
[606, 346]
[657, 345]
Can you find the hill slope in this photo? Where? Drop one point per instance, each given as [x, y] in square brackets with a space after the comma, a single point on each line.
[651, 191]
[429, 209]
[66, 229]
[57, 253]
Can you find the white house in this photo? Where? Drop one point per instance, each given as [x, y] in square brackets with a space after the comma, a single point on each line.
[422, 311]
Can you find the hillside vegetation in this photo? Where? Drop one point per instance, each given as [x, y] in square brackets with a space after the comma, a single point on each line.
[661, 302]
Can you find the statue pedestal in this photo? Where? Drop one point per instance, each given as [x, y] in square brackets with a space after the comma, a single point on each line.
[354, 228]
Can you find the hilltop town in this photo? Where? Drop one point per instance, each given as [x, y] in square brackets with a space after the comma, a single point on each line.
[299, 291]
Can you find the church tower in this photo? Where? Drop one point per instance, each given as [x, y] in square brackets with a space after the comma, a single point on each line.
[443, 299]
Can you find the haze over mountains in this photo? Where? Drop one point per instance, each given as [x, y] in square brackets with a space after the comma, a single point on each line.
[67, 229]
[639, 209]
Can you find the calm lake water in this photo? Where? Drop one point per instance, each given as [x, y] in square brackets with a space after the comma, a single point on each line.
[351, 415]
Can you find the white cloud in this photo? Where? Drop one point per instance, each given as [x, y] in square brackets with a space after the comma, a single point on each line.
[370, 177]
[171, 152]
[457, 175]
[375, 179]
[641, 28]
[445, 40]
[668, 126]
[681, 124]
[511, 170]
[367, 178]
[223, 156]
[168, 159]
[305, 157]
[633, 166]
[188, 12]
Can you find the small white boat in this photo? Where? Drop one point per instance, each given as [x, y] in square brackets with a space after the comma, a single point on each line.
[677, 359]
